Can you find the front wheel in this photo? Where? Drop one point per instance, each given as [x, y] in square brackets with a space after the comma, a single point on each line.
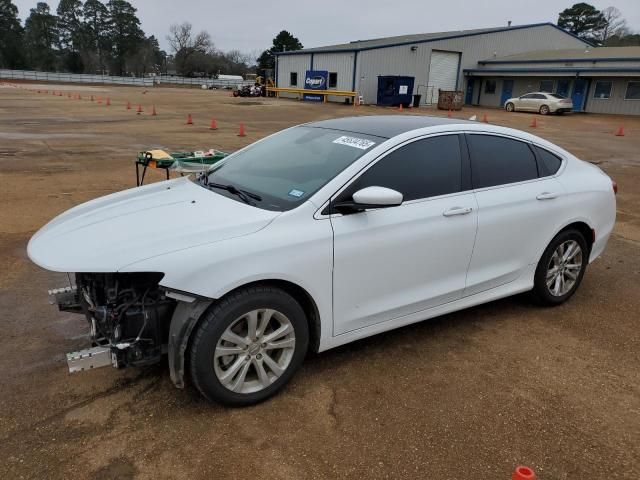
[248, 346]
[509, 107]
[544, 110]
[561, 268]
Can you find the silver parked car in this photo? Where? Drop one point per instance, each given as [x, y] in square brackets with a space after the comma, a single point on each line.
[541, 102]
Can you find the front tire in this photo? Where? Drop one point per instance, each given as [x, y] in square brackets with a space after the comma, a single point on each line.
[509, 107]
[248, 346]
[561, 268]
[544, 110]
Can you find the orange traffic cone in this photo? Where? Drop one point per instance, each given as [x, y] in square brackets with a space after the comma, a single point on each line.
[214, 124]
[108, 102]
[400, 108]
[153, 110]
[189, 119]
[128, 105]
[484, 118]
[139, 110]
[620, 132]
[242, 133]
[449, 114]
[534, 122]
[523, 473]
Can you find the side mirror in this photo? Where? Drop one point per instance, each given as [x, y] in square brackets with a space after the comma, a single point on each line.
[370, 198]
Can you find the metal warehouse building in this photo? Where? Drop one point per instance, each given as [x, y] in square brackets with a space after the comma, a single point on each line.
[600, 80]
[435, 60]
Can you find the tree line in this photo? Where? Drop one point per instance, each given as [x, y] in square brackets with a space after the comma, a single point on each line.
[105, 38]
[605, 27]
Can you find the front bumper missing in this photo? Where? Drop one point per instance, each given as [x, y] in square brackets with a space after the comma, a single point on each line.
[89, 358]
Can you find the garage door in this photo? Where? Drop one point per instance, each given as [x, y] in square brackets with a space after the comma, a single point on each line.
[443, 72]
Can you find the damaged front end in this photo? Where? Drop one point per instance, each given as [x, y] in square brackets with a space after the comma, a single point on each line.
[129, 317]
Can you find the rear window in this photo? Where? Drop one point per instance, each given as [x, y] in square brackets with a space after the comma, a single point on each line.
[499, 161]
[548, 162]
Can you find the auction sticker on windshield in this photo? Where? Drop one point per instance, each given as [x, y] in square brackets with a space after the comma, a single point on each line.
[361, 143]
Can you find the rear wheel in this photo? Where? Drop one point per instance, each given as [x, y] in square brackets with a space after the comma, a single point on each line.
[561, 268]
[509, 107]
[248, 346]
[544, 110]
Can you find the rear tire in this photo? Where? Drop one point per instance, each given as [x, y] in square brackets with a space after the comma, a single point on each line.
[509, 107]
[561, 268]
[248, 345]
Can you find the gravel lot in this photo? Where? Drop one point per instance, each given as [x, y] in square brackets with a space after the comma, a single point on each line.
[468, 395]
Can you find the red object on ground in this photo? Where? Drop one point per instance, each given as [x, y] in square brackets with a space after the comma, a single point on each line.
[153, 110]
[534, 122]
[189, 119]
[214, 124]
[400, 108]
[484, 118]
[139, 110]
[620, 132]
[449, 114]
[242, 133]
[128, 105]
[523, 473]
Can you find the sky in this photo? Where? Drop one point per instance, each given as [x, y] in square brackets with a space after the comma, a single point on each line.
[250, 26]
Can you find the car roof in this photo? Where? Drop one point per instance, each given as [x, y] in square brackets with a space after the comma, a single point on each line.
[386, 126]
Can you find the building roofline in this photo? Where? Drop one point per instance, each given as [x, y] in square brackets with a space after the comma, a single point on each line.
[552, 70]
[561, 60]
[435, 39]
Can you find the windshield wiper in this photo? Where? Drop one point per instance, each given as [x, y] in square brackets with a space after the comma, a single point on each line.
[241, 194]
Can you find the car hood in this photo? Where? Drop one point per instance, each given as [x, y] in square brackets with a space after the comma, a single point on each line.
[111, 232]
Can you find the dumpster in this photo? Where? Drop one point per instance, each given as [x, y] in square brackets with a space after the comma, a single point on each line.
[450, 99]
[394, 90]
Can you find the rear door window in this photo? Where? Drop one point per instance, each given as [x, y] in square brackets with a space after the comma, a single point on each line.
[499, 161]
[424, 168]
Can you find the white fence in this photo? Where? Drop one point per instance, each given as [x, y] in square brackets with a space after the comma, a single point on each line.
[114, 80]
[198, 82]
[73, 78]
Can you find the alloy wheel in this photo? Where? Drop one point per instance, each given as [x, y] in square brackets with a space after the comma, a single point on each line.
[564, 268]
[254, 351]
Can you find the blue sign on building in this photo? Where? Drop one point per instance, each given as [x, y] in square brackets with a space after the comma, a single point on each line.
[315, 80]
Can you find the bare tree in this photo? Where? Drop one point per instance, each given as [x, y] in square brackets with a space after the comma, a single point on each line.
[185, 44]
[614, 24]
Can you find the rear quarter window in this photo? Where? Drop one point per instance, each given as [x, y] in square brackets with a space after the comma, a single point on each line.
[548, 163]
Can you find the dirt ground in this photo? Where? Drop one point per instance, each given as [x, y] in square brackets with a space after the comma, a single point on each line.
[468, 395]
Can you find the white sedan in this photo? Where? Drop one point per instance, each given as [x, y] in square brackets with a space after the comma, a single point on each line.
[540, 102]
[320, 235]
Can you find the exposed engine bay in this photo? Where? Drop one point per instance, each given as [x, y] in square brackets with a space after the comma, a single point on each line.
[128, 314]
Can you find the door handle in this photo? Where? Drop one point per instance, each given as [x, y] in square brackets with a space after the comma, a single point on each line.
[546, 196]
[457, 211]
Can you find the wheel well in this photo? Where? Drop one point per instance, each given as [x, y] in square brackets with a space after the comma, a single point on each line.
[303, 298]
[584, 229]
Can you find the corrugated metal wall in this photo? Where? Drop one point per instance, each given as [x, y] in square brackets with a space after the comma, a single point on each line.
[342, 64]
[617, 102]
[292, 63]
[401, 60]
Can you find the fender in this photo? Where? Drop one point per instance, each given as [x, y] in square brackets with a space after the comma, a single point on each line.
[184, 318]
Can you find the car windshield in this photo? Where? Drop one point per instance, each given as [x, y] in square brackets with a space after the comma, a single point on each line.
[555, 95]
[284, 170]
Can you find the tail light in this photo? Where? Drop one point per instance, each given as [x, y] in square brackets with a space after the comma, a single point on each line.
[615, 187]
